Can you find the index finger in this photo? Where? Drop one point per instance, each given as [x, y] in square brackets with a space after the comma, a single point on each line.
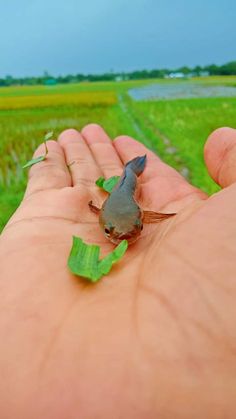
[51, 173]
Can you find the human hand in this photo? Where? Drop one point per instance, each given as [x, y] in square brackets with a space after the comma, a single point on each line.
[156, 338]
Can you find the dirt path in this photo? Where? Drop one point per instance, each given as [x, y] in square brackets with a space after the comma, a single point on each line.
[136, 126]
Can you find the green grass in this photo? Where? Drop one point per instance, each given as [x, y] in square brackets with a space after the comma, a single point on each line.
[186, 123]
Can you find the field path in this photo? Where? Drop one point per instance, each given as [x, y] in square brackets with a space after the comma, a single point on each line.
[169, 148]
[135, 124]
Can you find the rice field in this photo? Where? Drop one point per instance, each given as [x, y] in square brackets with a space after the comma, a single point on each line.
[185, 125]
[89, 99]
[176, 129]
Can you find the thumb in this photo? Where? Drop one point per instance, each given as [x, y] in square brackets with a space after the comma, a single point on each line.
[220, 156]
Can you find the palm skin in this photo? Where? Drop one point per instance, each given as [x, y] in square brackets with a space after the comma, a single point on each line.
[155, 338]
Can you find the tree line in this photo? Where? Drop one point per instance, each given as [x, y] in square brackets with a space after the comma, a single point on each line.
[48, 79]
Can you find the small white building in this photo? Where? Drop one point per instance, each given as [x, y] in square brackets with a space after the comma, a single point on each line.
[122, 77]
[175, 75]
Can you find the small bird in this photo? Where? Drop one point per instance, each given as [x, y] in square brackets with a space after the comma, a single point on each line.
[120, 217]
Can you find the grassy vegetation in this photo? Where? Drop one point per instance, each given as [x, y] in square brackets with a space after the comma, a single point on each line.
[187, 124]
[58, 99]
[27, 113]
[222, 80]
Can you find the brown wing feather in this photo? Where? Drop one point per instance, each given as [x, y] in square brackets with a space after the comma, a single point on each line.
[155, 217]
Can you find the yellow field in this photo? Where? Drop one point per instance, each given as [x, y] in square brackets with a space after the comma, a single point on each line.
[58, 99]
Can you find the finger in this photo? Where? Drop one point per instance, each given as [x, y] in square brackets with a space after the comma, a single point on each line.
[128, 148]
[102, 149]
[84, 169]
[51, 172]
[160, 183]
[220, 156]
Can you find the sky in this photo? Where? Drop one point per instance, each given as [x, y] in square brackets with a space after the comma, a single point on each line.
[96, 36]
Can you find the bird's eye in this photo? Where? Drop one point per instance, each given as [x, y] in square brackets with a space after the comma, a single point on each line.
[141, 227]
[107, 231]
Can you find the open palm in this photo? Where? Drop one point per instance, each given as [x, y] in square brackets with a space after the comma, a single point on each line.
[155, 338]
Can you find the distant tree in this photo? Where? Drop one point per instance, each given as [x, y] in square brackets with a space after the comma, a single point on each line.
[185, 70]
[159, 74]
[46, 78]
[9, 80]
[228, 69]
[197, 70]
[80, 77]
[213, 69]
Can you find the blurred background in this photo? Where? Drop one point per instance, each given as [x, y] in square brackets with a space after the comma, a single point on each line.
[161, 71]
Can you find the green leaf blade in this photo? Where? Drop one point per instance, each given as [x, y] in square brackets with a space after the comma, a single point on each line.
[34, 161]
[48, 136]
[107, 184]
[40, 158]
[100, 181]
[110, 183]
[106, 263]
[84, 259]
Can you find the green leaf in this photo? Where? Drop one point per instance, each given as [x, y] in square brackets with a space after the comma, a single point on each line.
[113, 257]
[109, 184]
[40, 158]
[48, 136]
[34, 161]
[84, 259]
[100, 181]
